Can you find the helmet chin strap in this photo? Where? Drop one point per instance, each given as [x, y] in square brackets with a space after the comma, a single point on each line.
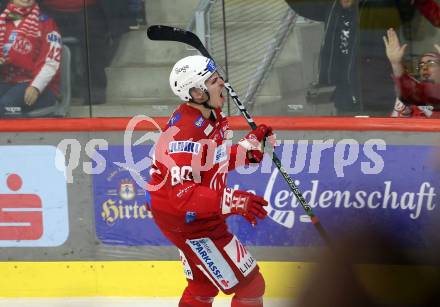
[205, 103]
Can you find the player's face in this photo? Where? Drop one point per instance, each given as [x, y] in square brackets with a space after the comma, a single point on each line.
[429, 69]
[216, 87]
[23, 3]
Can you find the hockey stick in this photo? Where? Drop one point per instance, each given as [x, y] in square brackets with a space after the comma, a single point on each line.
[166, 33]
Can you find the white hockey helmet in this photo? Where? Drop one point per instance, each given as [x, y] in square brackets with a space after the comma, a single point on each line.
[191, 72]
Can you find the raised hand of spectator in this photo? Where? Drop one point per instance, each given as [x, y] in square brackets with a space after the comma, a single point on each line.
[394, 51]
[2, 60]
[437, 47]
[31, 95]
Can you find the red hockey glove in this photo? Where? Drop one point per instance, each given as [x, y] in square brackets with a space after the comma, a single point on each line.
[255, 141]
[243, 203]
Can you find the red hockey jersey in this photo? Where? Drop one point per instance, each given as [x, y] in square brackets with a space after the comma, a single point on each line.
[192, 158]
[32, 50]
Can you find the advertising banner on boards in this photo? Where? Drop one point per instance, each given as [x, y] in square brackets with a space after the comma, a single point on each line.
[389, 187]
[33, 197]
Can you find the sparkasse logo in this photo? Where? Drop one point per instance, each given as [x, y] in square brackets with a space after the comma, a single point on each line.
[33, 197]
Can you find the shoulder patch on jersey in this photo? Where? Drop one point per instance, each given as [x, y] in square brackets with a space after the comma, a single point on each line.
[174, 119]
[199, 121]
[44, 17]
[184, 146]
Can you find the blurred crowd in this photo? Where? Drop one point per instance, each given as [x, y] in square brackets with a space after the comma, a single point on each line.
[366, 55]
[32, 34]
[361, 56]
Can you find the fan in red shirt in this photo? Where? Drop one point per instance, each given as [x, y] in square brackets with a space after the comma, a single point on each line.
[189, 197]
[30, 55]
[417, 97]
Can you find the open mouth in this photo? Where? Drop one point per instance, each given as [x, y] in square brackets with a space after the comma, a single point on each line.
[223, 93]
[426, 77]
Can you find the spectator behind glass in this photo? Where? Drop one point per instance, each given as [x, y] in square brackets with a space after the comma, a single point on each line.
[30, 55]
[352, 56]
[337, 65]
[417, 97]
[137, 14]
[98, 37]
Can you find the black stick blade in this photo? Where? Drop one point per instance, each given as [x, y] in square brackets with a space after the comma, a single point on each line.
[166, 33]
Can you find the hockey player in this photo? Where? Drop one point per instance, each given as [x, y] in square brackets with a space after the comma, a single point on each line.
[189, 198]
[30, 55]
